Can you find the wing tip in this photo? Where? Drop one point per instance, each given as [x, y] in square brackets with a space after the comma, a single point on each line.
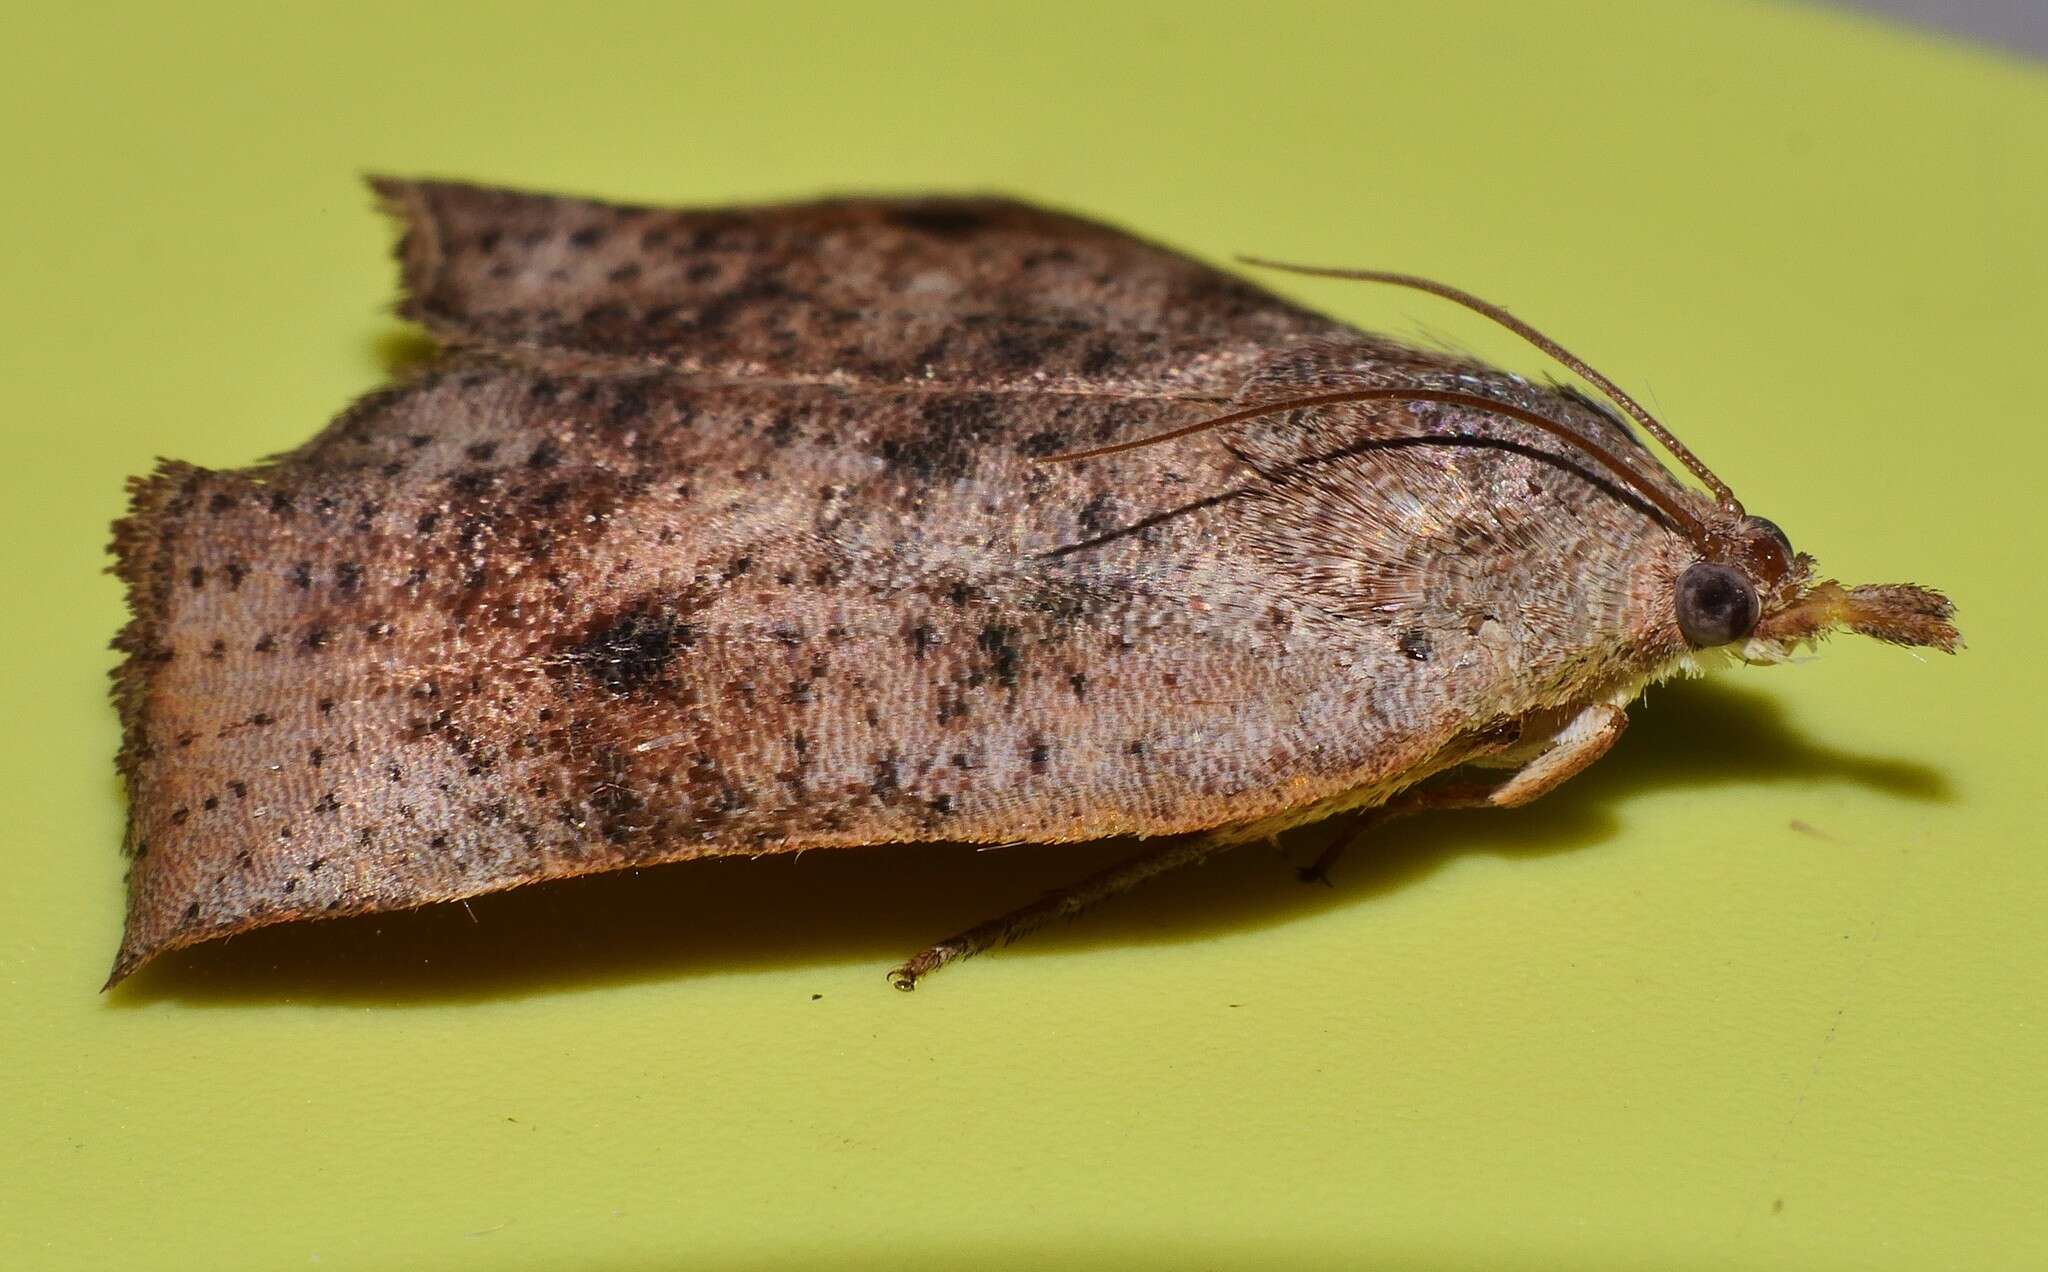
[419, 250]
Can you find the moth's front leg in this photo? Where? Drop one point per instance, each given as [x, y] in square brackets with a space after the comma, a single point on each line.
[1585, 739]
[1576, 745]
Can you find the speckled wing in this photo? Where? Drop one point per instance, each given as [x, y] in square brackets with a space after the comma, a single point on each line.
[964, 292]
[503, 624]
[550, 608]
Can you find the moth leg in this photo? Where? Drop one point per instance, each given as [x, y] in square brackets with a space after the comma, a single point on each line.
[1060, 903]
[1577, 745]
[1363, 824]
[1580, 743]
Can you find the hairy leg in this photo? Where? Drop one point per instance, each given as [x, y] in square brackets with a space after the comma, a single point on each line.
[1584, 741]
[1058, 904]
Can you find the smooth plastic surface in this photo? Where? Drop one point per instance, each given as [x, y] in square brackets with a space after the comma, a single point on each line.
[1763, 989]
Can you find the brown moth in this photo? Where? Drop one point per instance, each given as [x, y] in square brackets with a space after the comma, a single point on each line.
[864, 521]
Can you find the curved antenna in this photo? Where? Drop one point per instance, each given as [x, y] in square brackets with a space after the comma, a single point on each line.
[1607, 459]
[1722, 495]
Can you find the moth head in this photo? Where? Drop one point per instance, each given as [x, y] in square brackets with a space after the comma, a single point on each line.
[1746, 588]
[1719, 599]
[1750, 588]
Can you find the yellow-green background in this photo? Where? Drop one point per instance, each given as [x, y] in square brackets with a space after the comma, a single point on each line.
[1764, 989]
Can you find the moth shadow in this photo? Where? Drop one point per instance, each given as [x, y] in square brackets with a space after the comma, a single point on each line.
[403, 352]
[868, 908]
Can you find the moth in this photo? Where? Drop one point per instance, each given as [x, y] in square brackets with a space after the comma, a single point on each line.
[942, 520]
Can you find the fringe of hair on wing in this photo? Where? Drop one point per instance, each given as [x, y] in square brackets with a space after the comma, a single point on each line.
[141, 547]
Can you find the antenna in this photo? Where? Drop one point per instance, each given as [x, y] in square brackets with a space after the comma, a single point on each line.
[1397, 393]
[1722, 495]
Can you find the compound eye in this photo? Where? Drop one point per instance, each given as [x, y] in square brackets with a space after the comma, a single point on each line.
[1716, 605]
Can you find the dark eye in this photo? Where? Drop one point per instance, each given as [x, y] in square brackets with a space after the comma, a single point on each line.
[1716, 604]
